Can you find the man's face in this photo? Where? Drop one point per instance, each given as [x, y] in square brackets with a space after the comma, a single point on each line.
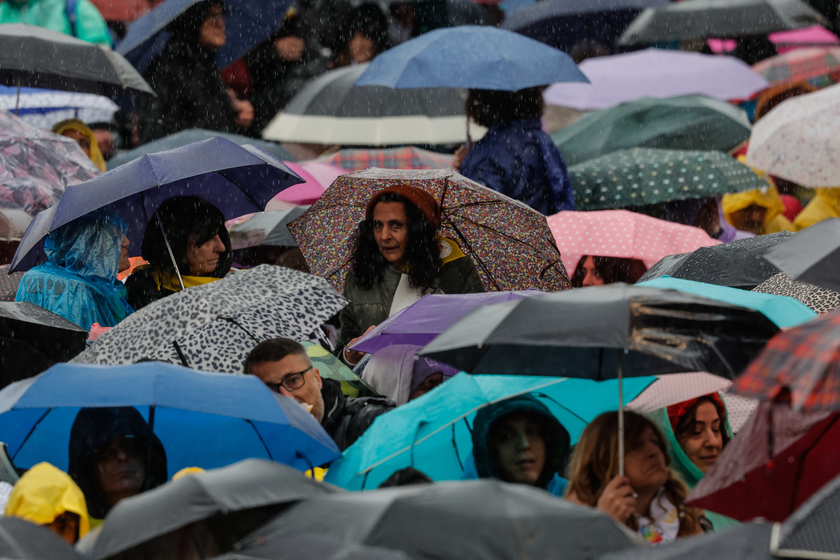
[285, 372]
[120, 468]
[211, 35]
[750, 218]
[518, 445]
[390, 230]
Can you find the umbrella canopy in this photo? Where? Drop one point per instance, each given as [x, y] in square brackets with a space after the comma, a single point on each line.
[205, 420]
[812, 255]
[479, 519]
[307, 546]
[36, 166]
[408, 157]
[9, 283]
[228, 502]
[266, 228]
[469, 56]
[807, 533]
[691, 122]
[331, 110]
[696, 19]
[819, 65]
[214, 326]
[509, 242]
[677, 388]
[601, 332]
[622, 234]
[317, 176]
[737, 264]
[37, 57]
[433, 433]
[45, 108]
[779, 460]
[236, 179]
[22, 540]
[655, 73]
[643, 176]
[191, 136]
[819, 299]
[123, 10]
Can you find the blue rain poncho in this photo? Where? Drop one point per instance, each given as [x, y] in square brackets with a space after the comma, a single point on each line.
[79, 280]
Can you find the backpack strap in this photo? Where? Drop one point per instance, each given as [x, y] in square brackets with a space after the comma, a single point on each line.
[70, 11]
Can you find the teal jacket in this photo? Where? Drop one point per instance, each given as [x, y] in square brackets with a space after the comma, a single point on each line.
[52, 14]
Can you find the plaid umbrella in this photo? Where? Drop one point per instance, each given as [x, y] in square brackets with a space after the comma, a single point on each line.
[393, 158]
[820, 66]
[510, 243]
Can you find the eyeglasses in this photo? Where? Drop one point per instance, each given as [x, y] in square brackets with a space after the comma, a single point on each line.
[291, 382]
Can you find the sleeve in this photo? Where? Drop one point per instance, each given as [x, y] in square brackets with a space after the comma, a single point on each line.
[485, 170]
[90, 25]
[558, 176]
[347, 319]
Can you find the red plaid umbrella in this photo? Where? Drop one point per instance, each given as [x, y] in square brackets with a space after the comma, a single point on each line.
[820, 66]
[408, 157]
[804, 360]
[510, 243]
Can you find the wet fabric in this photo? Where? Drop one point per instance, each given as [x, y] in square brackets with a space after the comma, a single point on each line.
[395, 373]
[79, 126]
[824, 205]
[519, 160]
[346, 419]
[79, 279]
[820, 300]
[52, 14]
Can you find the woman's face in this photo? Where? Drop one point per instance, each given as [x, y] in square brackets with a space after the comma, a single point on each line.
[211, 34]
[704, 443]
[390, 230]
[362, 48]
[644, 463]
[80, 138]
[591, 276]
[518, 445]
[204, 259]
[125, 263]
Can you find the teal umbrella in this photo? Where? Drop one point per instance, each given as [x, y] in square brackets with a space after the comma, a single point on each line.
[432, 433]
[688, 122]
[649, 176]
[784, 311]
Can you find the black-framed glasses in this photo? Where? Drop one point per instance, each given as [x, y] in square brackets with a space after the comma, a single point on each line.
[291, 382]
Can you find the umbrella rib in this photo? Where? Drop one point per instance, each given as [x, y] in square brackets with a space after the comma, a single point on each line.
[502, 234]
[801, 466]
[475, 257]
[259, 435]
[30, 432]
[245, 192]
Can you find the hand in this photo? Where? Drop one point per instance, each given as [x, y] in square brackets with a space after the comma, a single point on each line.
[351, 356]
[244, 113]
[290, 48]
[618, 499]
[460, 154]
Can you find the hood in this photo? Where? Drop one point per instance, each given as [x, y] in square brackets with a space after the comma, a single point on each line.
[556, 444]
[389, 371]
[89, 246]
[43, 493]
[77, 125]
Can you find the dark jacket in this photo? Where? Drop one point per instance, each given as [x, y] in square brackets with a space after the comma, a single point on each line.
[346, 418]
[143, 290]
[519, 160]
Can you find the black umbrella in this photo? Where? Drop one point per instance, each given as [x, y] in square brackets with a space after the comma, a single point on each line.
[225, 504]
[478, 519]
[313, 546]
[700, 19]
[811, 532]
[738, 264]
[812, 255]
[22, 540]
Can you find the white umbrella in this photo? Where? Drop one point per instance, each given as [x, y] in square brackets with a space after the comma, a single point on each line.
[44, 108]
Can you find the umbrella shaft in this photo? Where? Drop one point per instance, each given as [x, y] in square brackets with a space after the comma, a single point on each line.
[17, 98]
[620, 419]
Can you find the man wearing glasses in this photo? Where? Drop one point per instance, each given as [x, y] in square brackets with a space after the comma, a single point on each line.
[283, 365]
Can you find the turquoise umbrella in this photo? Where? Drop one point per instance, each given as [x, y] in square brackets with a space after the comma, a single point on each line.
[782, 310]
[432, 433]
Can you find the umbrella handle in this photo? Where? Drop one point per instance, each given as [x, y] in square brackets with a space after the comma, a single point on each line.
[620, 416]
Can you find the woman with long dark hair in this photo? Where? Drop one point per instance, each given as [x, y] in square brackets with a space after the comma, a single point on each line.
[597, 271]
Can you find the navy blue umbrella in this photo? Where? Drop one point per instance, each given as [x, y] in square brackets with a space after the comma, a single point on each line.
[237, 179]
[470, 56]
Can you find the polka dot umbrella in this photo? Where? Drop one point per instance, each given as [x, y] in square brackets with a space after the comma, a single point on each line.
[649, 176]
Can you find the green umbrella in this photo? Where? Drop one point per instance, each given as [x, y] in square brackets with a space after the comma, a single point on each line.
[646, 176]
[688, 122]
[331, 367]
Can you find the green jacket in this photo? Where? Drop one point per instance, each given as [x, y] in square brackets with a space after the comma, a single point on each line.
[371, 307]
[90, 25]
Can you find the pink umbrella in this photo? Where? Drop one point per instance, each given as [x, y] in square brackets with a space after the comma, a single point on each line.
[814, 36]
[624, 234]
[317, 176]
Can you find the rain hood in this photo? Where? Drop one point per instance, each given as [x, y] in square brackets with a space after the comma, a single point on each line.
[824, 205]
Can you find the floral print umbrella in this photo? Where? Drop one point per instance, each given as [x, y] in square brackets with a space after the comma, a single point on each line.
[510, 243]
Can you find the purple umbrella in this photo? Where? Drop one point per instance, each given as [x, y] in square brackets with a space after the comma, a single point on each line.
[655, 73]
[421, 322]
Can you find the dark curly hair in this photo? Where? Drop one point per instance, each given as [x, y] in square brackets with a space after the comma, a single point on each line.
[488, 107]
[421, 252]
[611, 269]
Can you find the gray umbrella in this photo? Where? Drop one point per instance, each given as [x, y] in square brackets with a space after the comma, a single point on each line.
[22, 540]
[811, 532]
[225, 504]
[313, 546]
[266, 228]
[700, 19]
[812, 255]
[464, 520]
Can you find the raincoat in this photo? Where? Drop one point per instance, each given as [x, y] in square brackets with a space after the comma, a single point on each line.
[345, 418]
[43, 493]
[774, 221]
[79, 126]
[79, 280]
[52, 14]
[519, 160]
[824, 205]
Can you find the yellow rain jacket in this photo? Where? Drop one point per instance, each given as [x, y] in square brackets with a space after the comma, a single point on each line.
[824, 205]
[769, 198]
[44, 493]
[77, 125]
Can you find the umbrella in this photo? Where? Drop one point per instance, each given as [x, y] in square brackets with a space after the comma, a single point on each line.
[37, 57]
[676, 388]
[471, 56]
[237, 179]
[408, 157]
[467, 520]
[819, 66]
[331, 110]
[227, 503]
[123, 10]
[317, 176]
[213, 327]
[330, 367]
[433, 433]
[643, 176]
[797, 140]
[307, 546]
[779, 460]
[697, 19]
[36, 166]
[655, 73]
[266, 228]
[23, 540]
[205, 420]
[690, 122]
[622, 234]
[819, 299]
[808, 533]
[191, 136]
[45, 108]
[509, 242]
[9, 283]
[812, 255]
[738, 264]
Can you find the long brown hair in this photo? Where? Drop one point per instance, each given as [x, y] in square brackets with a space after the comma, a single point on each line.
[594, 464]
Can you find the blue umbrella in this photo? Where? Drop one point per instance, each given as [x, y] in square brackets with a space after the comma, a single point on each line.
[432, 433]
[204, 420]
[237, 179]
[470, 56]
[247, 23]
